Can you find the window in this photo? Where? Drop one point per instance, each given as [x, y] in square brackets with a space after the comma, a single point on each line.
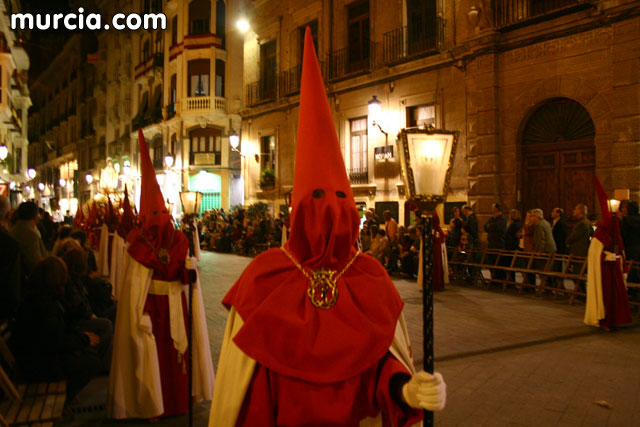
[146, 6]
[268, 153]
[158, 42]
[220, 73]
[199, 15]
[358, 35]
[158, 154]
[172, 145]
[313, 25]
[174, 30]
[146, 52]
[422, 26]
[173, 91]
[199, 77]
[358, 173]
[206, 146]
[221, 22]
[268, 70]
[421, 115]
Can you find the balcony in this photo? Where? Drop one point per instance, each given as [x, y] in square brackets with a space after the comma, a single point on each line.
[514, 13]
[205, 159]
[204, 104]
[154, 61]
[290, 81]
[359, 175]
[407, 43]
[264, 90]
[349, 62]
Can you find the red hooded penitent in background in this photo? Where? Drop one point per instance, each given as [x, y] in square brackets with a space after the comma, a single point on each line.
[285, 359]
[607, 300]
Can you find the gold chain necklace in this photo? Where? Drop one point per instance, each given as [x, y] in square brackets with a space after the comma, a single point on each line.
[323, 287]
[162, 253]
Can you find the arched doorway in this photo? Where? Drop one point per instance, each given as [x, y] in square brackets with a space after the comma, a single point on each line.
[558, 157]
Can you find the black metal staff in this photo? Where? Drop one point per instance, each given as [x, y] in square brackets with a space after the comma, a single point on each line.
[191, 274]
[427, 300]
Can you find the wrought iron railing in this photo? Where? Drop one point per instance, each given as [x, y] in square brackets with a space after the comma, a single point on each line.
[289, 81]
[513, 12]
[408, 42]
[345, 62]
[264, 90]
[359, 175]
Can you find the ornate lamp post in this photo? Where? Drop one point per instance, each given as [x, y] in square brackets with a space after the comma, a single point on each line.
[191, 201]
[426, 157]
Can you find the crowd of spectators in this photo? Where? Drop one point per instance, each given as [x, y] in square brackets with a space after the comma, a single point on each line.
[240, 231]
[60, 312]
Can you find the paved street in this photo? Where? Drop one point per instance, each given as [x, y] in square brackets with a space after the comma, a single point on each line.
[507, 359]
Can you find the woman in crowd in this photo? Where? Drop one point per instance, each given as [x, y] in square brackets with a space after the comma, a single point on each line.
[46, 348]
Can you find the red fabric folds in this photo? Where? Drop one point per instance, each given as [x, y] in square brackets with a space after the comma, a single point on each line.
[285, 332]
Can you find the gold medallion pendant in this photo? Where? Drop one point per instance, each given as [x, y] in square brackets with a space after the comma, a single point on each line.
[163, 256]
[323, 290]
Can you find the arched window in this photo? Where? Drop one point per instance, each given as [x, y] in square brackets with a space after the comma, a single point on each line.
[199, 16]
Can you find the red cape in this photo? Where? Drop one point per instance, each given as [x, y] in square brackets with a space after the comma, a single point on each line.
[283, 331]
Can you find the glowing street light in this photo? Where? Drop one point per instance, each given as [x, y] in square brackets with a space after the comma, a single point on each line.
[62, 182]
[31, 173]
[4, 152]
[89, 178]
[40, 186]
[243, 25]
[234, 139]
[168, 160]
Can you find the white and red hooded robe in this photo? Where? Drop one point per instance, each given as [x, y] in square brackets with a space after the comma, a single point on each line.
[607, 299]
[149, 372]
[286, 361]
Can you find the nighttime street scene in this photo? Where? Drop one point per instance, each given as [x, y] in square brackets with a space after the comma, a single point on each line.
[287, 213]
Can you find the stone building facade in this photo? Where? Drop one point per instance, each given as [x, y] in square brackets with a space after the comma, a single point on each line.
[176, 84]
[545, 94]
[15, 101]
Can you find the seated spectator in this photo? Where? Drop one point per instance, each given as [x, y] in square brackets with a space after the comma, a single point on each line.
[410, 252]
[365, 238]
[379, 244]
[46, 348]
[81, 237]
[26, 233]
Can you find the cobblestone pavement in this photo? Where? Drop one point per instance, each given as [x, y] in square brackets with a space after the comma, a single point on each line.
[507, 359]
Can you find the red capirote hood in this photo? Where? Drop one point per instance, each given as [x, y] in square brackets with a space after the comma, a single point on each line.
[282, 328]
[324, 219]
[157, 235]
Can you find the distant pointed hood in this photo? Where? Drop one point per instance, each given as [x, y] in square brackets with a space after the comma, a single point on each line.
[152, 207]
[608, 230]
[325, 222]
[128, 219]
[79, 218]
[156, 244]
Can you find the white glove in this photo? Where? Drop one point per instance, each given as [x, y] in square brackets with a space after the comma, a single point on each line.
[191, 263]
[425, 391]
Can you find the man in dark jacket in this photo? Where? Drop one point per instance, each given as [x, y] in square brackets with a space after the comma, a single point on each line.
[579, 238]
[496, 228]
[630, 231]
[560, 230]
[471, 222]
[10, 266]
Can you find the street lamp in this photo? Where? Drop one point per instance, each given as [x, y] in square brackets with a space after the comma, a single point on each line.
[62, 182]
[375, 107]
[40, 186]
[426, 157]
[243, 25]
[234, 140]
[4, 152]
[31, 173]
[168, 160]
[191, 201]
[89, 178]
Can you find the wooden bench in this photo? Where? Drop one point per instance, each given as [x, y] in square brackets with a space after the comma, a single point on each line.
[28, 404]
[551, 269]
